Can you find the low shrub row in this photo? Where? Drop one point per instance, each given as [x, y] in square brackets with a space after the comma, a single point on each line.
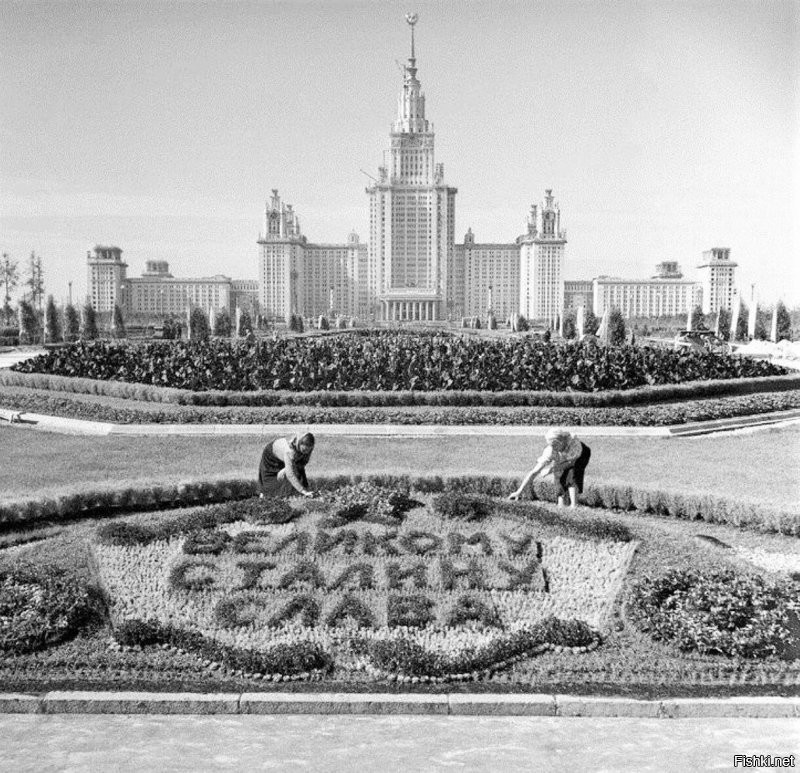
[269, 398]
[255, 510]
[288, 659]
[721, 613]
[747, 515]
[408, 658]
[664, 414]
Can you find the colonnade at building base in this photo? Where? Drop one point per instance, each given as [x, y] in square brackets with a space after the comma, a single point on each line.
[410, 311]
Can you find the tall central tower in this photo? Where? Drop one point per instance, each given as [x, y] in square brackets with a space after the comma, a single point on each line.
[412, 217]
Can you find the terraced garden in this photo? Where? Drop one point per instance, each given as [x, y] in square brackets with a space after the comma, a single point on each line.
[146, 562]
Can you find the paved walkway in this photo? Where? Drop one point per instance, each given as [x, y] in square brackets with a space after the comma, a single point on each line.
[11, 357]
[332, 743]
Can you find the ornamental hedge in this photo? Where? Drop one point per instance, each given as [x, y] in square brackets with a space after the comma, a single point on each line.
[391, 361]
[658, 415]
[109, 502]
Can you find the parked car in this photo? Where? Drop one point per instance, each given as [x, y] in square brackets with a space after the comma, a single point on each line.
[701, 340]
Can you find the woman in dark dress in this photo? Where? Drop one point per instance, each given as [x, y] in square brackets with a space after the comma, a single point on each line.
[282, 471]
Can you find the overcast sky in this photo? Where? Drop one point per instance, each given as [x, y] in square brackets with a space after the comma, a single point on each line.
[664, 128]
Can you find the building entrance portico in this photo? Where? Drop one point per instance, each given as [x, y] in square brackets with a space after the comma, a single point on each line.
[411, 310]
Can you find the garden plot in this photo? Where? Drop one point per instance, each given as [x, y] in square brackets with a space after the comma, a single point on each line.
[448, 587]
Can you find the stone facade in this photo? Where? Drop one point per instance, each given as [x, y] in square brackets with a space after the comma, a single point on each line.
[655, 297]
[717, 277]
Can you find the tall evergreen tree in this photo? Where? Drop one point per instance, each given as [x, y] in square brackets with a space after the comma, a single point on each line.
[89, 330]
[245, 324]
[72, 324]
[198, 325]
[784, 322]
[570, 330]
[616, 328]
[118, 323]
[724, 323]
[590, 322]
[222, 323]
[28, 323]
[762, 325]
[52, 325]
[697, 319]
[741, 324]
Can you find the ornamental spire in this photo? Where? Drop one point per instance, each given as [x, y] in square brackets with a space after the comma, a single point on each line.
[411, 20]
[411, 109]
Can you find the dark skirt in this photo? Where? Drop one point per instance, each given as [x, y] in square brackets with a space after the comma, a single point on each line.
[573, 476]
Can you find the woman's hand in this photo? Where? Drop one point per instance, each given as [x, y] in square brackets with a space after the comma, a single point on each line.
[515, 496]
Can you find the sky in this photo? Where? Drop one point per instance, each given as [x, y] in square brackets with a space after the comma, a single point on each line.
[664, 128]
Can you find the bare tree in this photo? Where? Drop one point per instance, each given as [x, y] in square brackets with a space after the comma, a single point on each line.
[35, 280]
[9, 277]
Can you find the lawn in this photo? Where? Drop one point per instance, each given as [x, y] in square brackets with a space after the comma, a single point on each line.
[760, 467]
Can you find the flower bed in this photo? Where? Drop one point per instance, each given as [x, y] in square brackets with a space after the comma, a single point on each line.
[40, 607]
[720, 613]
[391, 361]
[421, 598]
[332, 635]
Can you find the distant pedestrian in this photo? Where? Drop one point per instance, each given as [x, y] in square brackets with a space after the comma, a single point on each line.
[282, 470]
[566, 457]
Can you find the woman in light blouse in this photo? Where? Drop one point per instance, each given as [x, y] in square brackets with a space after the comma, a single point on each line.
[566, 457]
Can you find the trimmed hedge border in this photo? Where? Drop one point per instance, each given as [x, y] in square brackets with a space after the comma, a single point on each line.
[104, 502]
[657, 415]
[276, 398]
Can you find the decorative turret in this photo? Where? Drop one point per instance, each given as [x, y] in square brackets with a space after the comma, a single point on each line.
[280, 220]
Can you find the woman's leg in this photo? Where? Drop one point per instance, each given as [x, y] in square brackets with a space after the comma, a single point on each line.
[573, 496]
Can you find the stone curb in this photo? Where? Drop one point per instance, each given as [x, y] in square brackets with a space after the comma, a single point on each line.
[453, 704]
[67, 426]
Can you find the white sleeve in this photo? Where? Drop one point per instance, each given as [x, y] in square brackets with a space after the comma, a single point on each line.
[546, 457]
